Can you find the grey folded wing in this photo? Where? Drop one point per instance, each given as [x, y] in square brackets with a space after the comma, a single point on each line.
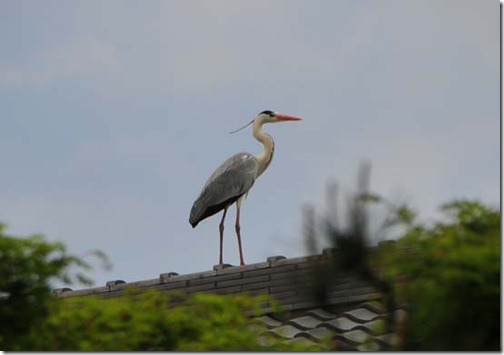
[227, 184]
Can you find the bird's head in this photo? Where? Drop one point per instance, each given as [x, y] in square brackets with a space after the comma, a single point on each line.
[268, 117]
[271, 117]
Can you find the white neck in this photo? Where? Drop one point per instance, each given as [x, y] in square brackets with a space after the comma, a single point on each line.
[269, 145]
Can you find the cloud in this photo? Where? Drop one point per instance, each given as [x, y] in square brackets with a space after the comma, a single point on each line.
[88, 57]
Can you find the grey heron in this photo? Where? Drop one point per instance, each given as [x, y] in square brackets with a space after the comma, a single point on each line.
[232, 180]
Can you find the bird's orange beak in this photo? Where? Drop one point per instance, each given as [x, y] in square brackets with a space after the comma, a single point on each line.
[282, 117]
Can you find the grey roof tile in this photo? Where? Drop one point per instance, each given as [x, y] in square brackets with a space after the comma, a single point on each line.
[354, 337]
[115, 282]
[361, 315]
[375, 327]
[305, 322]
[321, 314]
[169, 277]
[320, 333]
[286, 331]
[136, 284]
[85, 292]
[269, 321]
[343, 324]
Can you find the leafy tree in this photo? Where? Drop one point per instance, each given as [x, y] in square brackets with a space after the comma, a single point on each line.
[27, 268]
[448, 276]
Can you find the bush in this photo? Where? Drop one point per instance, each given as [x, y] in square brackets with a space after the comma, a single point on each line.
[148, 322]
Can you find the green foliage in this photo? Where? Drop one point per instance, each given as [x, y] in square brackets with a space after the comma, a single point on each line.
[27, 267]
[449, 276]
[148, 322]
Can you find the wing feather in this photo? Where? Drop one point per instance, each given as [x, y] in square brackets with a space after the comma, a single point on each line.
[228, 183]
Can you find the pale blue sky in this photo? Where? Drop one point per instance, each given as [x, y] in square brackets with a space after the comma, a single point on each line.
[114, 113]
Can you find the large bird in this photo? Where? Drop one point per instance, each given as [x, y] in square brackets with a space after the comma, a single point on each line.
[234, 178]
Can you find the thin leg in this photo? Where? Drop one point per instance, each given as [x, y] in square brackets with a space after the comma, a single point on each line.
[221, 231]
[237, 228]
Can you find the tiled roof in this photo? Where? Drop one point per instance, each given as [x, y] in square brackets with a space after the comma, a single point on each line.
[360, 327]
[351, 313]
